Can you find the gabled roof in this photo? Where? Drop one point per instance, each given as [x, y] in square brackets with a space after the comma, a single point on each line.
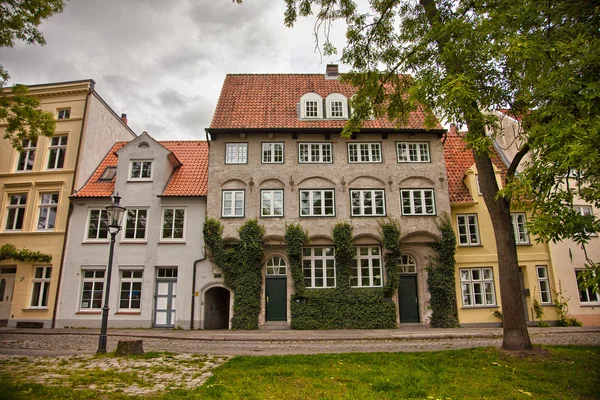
[459, 160]
[262, 101]
[189, 179]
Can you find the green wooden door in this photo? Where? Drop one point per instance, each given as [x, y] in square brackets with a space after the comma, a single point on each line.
[408, 299]
[276, 298]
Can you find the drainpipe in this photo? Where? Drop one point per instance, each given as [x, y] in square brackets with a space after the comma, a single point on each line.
[194, 287]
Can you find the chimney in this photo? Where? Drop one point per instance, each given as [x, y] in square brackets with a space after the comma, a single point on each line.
[124, 118]
[331, 72]
[452, 129]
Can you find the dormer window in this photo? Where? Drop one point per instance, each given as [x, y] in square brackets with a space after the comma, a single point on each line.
[140, 170]
[108, 174]
[311, 106]
[337, 106]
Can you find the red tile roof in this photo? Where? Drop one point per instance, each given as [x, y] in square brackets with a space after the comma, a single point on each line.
[270, 101]
[190, 179]
[459, 159]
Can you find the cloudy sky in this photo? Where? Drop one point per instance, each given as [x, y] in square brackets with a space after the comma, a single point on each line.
[162, 62]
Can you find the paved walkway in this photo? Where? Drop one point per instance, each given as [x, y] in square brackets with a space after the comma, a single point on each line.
[55, 342]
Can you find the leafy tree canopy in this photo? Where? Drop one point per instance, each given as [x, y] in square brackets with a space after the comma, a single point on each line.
[19, 20]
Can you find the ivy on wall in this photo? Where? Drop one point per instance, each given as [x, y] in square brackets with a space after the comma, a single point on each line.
[390, 236]
[295, 237]
[9, 251]
[241, 263]
[440, 279]
[342, 307]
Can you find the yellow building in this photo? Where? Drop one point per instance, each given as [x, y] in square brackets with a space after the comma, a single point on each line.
[35, 186]
[477, 278]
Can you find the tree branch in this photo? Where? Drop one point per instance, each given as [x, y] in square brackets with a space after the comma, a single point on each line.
[516, 161]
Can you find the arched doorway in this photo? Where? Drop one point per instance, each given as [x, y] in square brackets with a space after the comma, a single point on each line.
[408, 294]
[216, 308]
[276, 289]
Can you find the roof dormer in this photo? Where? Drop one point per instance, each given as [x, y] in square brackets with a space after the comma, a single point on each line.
[311, 106]
[337, 106]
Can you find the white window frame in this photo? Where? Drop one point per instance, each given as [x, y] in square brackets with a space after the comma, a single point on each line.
[137, 212]
[410, 195]
[60, 151]
[356, 156]
[94, 281]
[413, 152]
[468, 230]
[232, 211]
[270, 153]
[407, 264]
[310, 268]
[43, 281]
[101, 212]
[305, 153]
[587, 297]
[311, 207]
[334, 99]
[469, 283]
[362, 197]
[543, 284]
[63, 113]
[374, 273]
[269, 203]
[311, 99]
[519, 227]
[172, 228]
[276, 266]
[132, 280]
[28, 155]
[477, 184]
[143, 163]
[585, 210]
[236, 153]
[19, 207]
[47, 207]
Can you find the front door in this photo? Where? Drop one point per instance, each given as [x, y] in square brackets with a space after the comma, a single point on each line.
[7, 283]
[408, 299]
[276, 298]
[165, 295]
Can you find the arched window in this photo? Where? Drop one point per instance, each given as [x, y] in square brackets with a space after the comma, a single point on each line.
[408, 265]
[143, 144]
[337, 106]
[276, 266]
[311, 106]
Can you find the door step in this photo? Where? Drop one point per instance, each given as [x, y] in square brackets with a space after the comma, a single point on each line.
[275, 326]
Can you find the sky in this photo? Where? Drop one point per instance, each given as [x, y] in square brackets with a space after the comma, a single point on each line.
[163, 62]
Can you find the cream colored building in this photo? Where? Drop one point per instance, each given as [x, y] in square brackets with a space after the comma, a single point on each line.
[35, 186]
[477, 274]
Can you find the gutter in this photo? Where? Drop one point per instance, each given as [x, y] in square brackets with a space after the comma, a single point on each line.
[75, 172]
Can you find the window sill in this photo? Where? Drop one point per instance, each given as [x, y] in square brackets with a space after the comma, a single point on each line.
[128, 313]
[589, 304]
[103, 241]
[477, 307]
[35, 309]
[232, 216]
[524, 244]
[470, 245]
[133, 242]
[172, 242]
[89, 312]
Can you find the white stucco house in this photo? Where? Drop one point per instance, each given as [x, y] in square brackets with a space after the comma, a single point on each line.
[159, 268]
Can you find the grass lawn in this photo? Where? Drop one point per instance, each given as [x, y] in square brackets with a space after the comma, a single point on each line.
[552, 373]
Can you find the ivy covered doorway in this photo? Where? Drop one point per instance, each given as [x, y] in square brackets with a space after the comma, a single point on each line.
[216, 308]
[276, 289]
[408, 297]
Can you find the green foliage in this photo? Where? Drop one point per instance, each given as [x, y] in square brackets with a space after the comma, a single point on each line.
[21, 18]
[497, 314]
[440, 279]
[390, 236]
[562, 308]
[539, 314]
[295, 237]
[9, 251]
[342, 307]
[241, 264]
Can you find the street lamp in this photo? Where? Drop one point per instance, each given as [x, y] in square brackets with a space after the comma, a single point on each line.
[115, 217]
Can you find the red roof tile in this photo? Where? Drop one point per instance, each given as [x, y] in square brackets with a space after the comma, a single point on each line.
[270, 101]
[459, 159]
[190, 179]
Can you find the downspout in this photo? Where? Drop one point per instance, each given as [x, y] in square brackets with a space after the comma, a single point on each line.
[75, 171]
[194, 289]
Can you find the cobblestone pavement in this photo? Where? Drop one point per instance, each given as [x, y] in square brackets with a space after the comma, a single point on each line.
[49, 344]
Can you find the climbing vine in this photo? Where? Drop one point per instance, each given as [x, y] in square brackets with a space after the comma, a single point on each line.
[343, 307]
[295, 237]
[390, 236]
[9, 251]
[241, 263]
[440, 279]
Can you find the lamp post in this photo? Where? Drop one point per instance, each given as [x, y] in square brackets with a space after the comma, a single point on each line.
[115, 217]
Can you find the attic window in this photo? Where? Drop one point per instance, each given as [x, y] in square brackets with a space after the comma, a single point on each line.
[108, 174]
[143, 145]
[311, 105]
[337, 106]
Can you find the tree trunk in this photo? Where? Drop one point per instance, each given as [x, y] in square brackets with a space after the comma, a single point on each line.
[515, 334]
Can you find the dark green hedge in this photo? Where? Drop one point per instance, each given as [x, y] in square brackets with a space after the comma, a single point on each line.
[9, 251]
